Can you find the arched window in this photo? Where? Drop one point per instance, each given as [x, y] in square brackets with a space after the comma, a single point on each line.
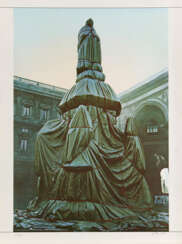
[149, 120]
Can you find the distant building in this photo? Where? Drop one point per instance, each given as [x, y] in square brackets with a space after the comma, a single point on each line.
[34, 104]
[147, 102]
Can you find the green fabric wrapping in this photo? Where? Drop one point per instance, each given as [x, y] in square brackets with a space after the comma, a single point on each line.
[100, 181]
[90, 88]
[90, 92]
[87, 168]
[89, 50]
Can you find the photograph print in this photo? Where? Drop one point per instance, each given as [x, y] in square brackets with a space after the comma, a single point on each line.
[91, 120]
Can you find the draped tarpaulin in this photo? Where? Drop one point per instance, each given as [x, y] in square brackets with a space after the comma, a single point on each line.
[86, 171]
[87, 168]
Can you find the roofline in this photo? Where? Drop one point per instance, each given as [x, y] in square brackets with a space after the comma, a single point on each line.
[41, 83]
[163, 72]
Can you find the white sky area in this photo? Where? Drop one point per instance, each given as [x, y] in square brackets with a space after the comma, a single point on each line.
[134, 43]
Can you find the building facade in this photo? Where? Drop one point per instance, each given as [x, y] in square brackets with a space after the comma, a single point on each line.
[147, 102]
[34, 104]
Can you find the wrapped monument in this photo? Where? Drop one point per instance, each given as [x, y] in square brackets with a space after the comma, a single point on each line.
[87, 169]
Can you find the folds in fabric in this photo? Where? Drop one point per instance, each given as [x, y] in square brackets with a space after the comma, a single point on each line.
[98, 178]
[91, 92]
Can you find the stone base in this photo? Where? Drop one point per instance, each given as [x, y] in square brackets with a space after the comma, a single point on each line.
[156, 222]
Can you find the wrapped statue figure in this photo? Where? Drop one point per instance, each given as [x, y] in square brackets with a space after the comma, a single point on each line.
[86, 167]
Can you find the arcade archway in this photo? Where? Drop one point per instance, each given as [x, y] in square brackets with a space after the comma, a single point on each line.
[152, 126]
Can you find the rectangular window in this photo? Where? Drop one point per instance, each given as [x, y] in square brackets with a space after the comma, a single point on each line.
[26, 110]
[24, 130]
[152, 130]
[44, 114]
[24, 145]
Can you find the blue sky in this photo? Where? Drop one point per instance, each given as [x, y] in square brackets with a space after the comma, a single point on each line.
[134, 43]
